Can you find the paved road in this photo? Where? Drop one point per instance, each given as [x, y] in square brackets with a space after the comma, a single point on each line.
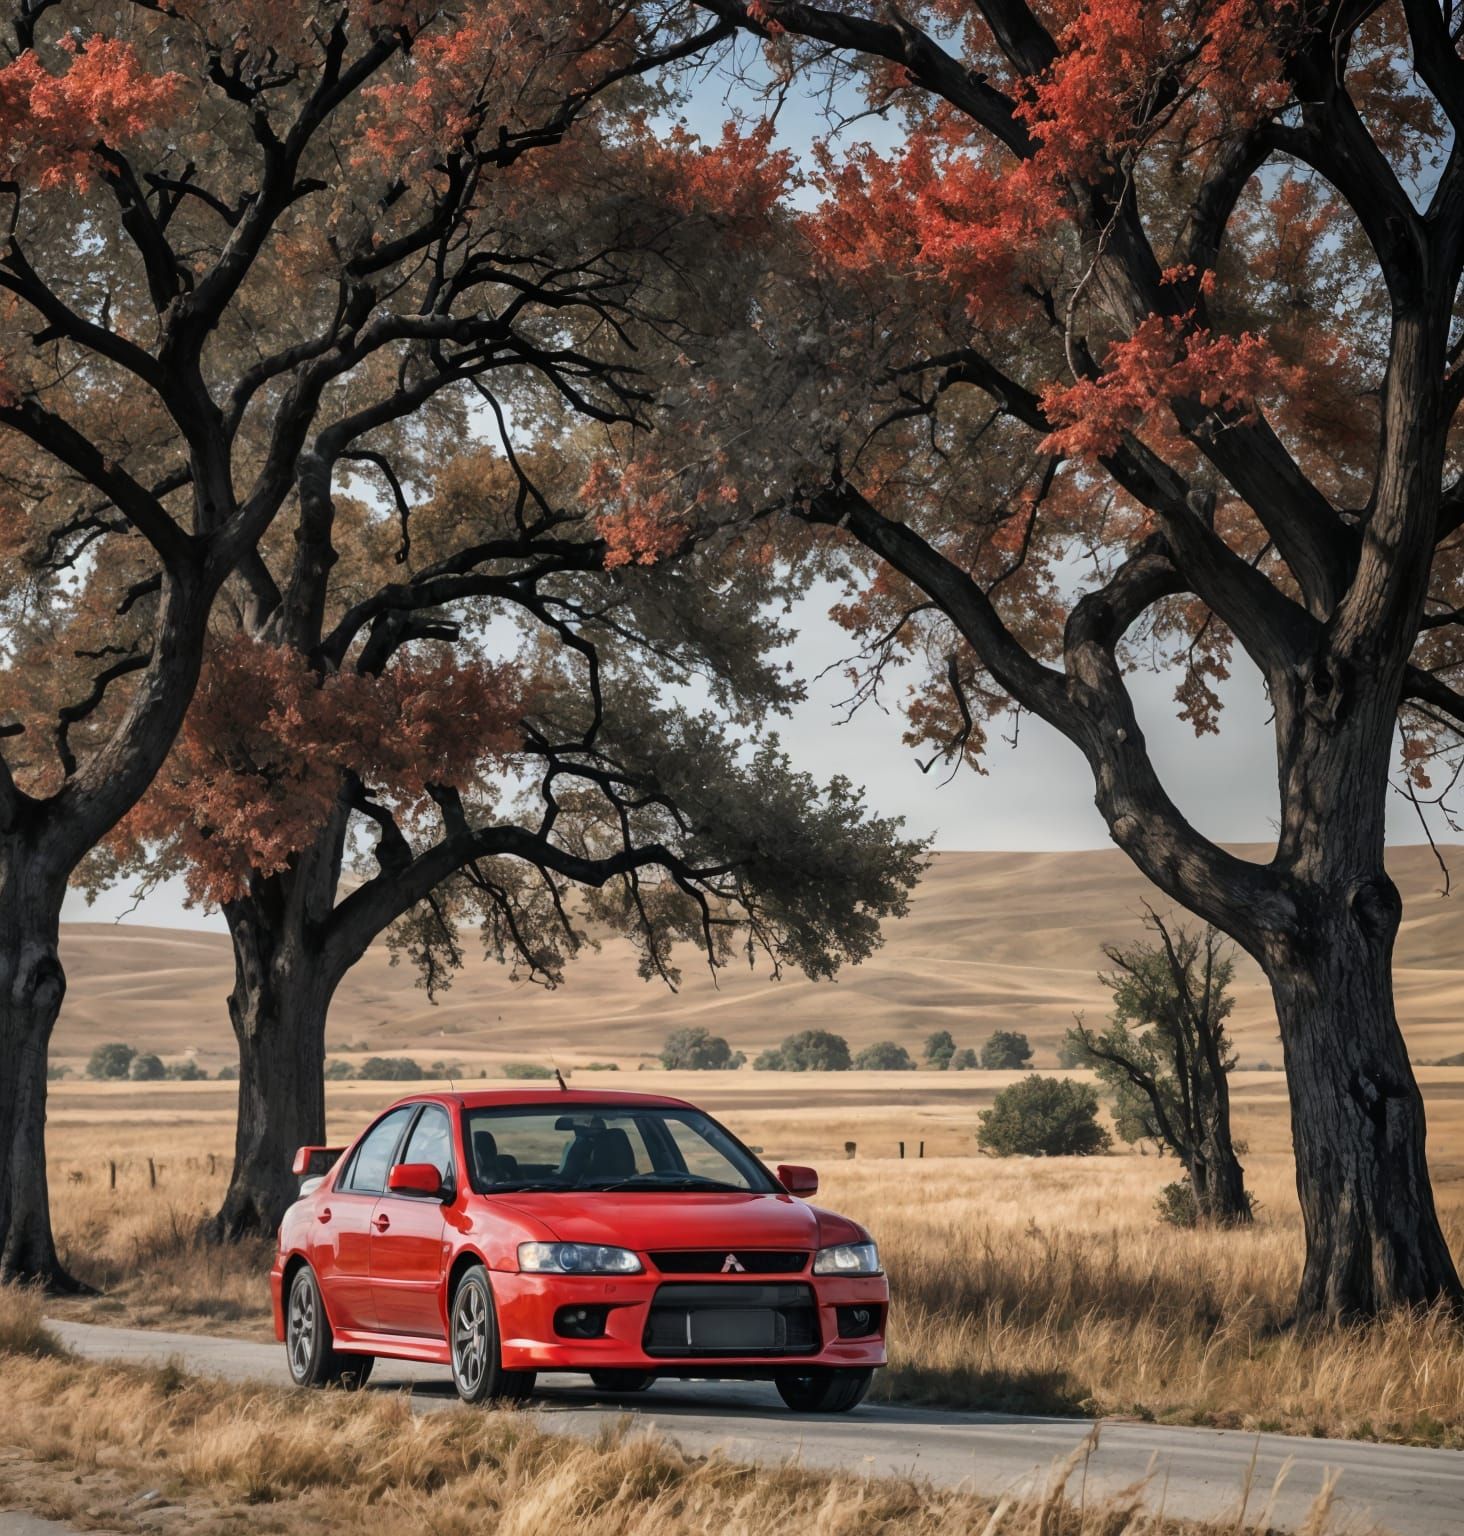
[1201, 1473]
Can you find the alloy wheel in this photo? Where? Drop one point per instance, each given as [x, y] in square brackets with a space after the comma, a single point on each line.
[302, 1326]
[470, 1339]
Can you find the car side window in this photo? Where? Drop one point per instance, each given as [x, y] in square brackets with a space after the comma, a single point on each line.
[372, 1162]
[431, 1142]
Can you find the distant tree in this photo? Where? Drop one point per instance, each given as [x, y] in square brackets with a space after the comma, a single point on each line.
[229, 1074]
[400, 1069]
[531, 1071]
[1043, 1117]
[698, 1050]
[336, 1071]
[110, 1060]
[939, 1049]
[55, 1072]
[187, 1071]
[146, 1068]
[964, 1060]
[1072, 1053]
[884, 1056]
[812, 1050]
[1006, 1051]
[1167, 1058]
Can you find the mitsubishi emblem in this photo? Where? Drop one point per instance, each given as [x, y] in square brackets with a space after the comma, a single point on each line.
[731, 1265]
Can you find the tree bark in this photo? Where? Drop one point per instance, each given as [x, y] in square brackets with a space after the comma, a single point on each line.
[1357, 1117]
[278, 1009]
[32, 985]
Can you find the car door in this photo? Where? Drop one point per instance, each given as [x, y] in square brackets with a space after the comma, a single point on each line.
[408, 1248]
[342, 1248]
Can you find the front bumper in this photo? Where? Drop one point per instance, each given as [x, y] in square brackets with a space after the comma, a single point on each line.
[527, 1306]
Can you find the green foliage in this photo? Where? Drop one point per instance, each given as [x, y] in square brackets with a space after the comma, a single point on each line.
[228, 1074]
[187, 1071]
[390, 1069]
[338, 1071]
[812, 1050]
[698, 1050]
[1176, 1206]
[1043, 1117]
[884, 1056]
[110, 1061]
[1072, 1054]
[526, 1071]
[603, 1066]
[939, 1049]
[1006, 1051]
[146, 1068]
[964, 1060]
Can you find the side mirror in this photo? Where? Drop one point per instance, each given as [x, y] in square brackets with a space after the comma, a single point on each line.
[797, 1180]
[315, 1162]
[414, 1179]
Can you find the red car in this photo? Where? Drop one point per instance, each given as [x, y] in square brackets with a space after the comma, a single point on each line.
[623, 1234]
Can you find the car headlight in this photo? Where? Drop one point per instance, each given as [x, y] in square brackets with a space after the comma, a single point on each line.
[847, 1259]
[577, 1259]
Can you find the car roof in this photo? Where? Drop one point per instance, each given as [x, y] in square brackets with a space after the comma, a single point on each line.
[549, 1098]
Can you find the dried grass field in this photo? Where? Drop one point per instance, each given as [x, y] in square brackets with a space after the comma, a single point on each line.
[1038, 1285]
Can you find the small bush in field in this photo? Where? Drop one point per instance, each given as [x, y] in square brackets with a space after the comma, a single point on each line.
[146, 1068]
[337, 1071]
[110, 1061]
[390, 1069]
[228, 1074]
[1175, 1204]
[1043, 1117]
[526, 1070]
[884, 1056]
[187, 1071]
[939, 1049]
[600, 1066]
[964, 1060]
[1006, 1051]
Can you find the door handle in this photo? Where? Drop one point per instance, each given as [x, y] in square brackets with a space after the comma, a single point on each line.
[382, 1222]
[324, 1215]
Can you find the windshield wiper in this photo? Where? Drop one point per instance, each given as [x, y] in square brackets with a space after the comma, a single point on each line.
[670, 1181]
[523, 1189]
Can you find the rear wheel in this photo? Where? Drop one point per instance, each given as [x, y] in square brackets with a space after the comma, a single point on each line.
[477, 1366]
[622, 1381]
[835, 1391]
[310, 1345]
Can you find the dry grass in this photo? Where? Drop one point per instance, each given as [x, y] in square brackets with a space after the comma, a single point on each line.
[328, 1462]
[1030, 1285]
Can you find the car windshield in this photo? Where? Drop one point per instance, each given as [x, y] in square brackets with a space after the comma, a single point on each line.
[604, 1147]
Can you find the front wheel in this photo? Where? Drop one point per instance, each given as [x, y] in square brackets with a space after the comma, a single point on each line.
[477, 1366]
[310, 1345]
[622, 1381]
[835, 1391]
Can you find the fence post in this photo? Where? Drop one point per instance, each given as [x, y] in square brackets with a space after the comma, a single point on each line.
[152, 1174]
[902, 1149]
[849, 1149]
[111, 1174]
[922, 1149]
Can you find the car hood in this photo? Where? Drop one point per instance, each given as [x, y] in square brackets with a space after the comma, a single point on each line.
[646, 1221]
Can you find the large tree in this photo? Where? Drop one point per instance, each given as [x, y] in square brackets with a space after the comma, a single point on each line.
[492, 730]
[238, 240]
[1142, 339]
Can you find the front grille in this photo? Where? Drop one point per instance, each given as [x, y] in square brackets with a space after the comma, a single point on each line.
[713, 1261]
[742, 1319]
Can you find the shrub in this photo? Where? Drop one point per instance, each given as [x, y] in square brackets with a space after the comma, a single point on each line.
[884, 1056]
[55, 1073]
[228, 1074]
[146, 1068]
[1072, 1053]
[187, 1071]
[698, 1050]
[964, 1060]
[1006, 1051]
[390, 1069]
[110, 1061]
[338, 1071]
[812, 1050]
[526, 1069]
[1176, 1206]
[601, 1066]
[1043, 1117]
[939, 1048]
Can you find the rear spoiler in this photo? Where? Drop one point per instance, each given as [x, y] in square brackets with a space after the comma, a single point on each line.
[316, 1162]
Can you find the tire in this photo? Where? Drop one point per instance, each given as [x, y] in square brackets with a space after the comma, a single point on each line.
[477, 1366]
[835, 1391]
[310, 1348]
[622, 1381]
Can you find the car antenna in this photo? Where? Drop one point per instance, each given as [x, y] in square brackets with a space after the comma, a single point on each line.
[559, 1078]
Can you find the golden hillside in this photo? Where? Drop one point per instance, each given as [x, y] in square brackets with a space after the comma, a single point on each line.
[992, 940]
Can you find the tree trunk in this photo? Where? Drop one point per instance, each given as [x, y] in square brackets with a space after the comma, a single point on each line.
[32, 984]
[1226, 1201]
[1357, 1118]
[278, 1008]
